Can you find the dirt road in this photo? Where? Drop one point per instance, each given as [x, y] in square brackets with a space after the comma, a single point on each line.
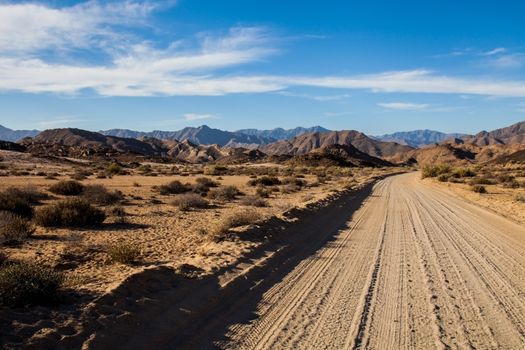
[416, 268]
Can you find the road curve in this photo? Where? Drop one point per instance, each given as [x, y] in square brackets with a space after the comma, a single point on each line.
[417, 268]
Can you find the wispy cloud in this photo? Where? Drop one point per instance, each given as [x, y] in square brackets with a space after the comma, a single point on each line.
[336, 114]
[59, 121]
[404, 106]
[194, 116]
[516, 60]
[496, 51]
[320, 98]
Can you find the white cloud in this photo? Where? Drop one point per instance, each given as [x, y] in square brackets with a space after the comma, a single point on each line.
[193, 116]
[516, 60]
[60, 121]
[495, 51]
[320, 98]
[28, 27]
[404, 106]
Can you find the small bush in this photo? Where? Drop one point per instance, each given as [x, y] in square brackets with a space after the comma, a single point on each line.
[254, 201]
[479, 189]
[98, 194]
[263, 192]
[118, 213]
[265, 180]
[174, 187]
[463, 172]
[27, 284]
[114, 169]
[69, 213]
[189, 201]
[511, 184]
[3, 259]
[481, 181]
[206, 181]
[434, 170]
[15, 204]
[443, 178]
[29, 194]
[216, 170]
[124, 253]
[14, 229]
[221, 228]
[67, 188]
[520, 198]
[225, 193]
[298, 182]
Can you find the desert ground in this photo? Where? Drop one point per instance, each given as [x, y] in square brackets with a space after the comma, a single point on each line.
[157, 232]
[270, 256]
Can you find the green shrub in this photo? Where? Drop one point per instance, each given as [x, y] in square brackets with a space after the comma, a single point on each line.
[216, 170]
[114, 169]
[463, 172]
[14, 229]
[479, 189]
[124, 253]
[189, 201]
[69, 213]
[98, 194]
[443, 178]
[28, 284]
[67, 188]
[225, 193]
[434, 170]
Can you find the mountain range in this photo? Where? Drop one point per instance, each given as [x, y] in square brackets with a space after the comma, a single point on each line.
[7, 134]
[349, 147]
[418, 138]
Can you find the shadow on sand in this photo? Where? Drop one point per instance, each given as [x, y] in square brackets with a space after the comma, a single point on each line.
[161, 308]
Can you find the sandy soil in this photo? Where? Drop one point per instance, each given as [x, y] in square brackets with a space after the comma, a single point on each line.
[416, 268]
[502, 201]
[168, 238]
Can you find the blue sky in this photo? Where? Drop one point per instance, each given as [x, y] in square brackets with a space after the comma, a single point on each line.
[374, 66]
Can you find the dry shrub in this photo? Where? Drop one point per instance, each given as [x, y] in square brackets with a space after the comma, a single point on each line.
[203, 185]
[14, 229]
[189, 201]
[220, 229]
[297, 182]
[28, 193]
[118, 213]
[263, 192]
[265, 181]
[98, 194]
[254, 201]
[28, 284]
[69, 213]
[226, 193]
[124, 253]
[67, 188]
[13, 203]
[174, 187]
[479, 189]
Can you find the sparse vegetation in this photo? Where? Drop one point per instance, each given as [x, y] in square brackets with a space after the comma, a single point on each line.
[14, 229]
[254, 201]
[28, 284]
[11, 202]
[241, 218]
[124, 253]
[174, 187]
[114, 169]
[479, 189]
[225, 193]
[98, 194]
[265, 181]
[69, 213]
[434, 170]
[189, 201]
[67, 188]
